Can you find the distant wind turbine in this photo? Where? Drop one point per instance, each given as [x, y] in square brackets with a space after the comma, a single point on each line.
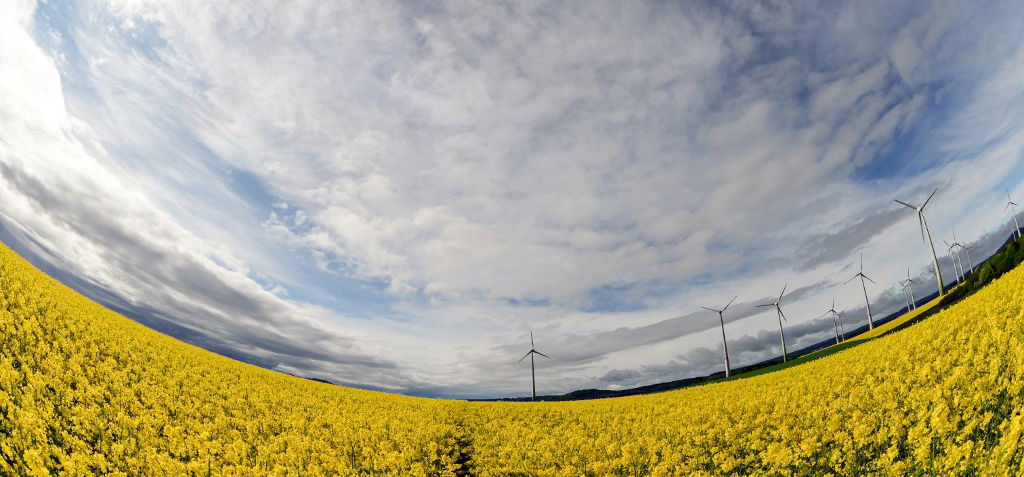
[533, 374]
[904, 285]
[967, 251]
[1010, 205]
[782, 316]
[842, 327]
[954, 256]
[867, 303]
[909, 283]
[835, 320]
[925, 232]
[725, 345]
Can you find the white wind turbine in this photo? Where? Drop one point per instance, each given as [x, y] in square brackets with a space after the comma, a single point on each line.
[1010, 205]
[970, 261]
[954, 256]
[842, 327]
[925, 232]
[967, 251]
[867, 303]
[782, 316]
[835, 320]
[533, 374]
[725, 345]
[909, 283]
[904, 285]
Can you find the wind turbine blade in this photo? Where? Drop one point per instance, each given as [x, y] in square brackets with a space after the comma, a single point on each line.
[862, 262]
[531, 340]
[542, 354]
[524, 356]
[730, 302]
[851, 279]
[920, 220]
[906, 204]
[783, 315]
[709, 309]
[868, 278]
[766, 304]
[929, 197]
[783, 291]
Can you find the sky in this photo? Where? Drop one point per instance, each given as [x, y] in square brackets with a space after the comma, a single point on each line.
[391, 195]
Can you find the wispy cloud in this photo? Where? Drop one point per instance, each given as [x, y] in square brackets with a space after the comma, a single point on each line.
[390, 195]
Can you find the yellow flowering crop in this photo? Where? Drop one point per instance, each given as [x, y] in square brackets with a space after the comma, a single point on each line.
[84, 390]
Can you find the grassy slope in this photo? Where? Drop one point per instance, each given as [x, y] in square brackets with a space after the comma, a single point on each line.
[890, 326]
[1004, 260]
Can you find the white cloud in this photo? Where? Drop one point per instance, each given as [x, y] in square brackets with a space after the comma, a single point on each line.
[488, 167]
[64, 195]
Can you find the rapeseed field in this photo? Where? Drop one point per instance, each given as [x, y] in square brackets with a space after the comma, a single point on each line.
[84, 391]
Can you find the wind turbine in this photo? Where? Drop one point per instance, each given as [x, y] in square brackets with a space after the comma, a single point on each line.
[867, 303]
[905, 285]
[782, 316]
[533, 374]
[725, 345]
[835, 320]
[842, 327]
[1010, 205]
[967, 250]
[954, 256]
[924, 231]
[909, 283]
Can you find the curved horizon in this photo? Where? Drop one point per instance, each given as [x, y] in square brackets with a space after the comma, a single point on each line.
[391, 196]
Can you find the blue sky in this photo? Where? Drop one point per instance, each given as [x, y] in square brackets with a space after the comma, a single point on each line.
[391, 196]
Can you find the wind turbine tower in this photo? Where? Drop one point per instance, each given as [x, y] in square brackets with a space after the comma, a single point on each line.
[906, 293]
[835, 320]
[954, 256]
[910, 284]
[842, 327]
[925, 232]
[533, 374]
[725, 344]
[782, 317]
[967, 251]
[867, 303]
[1010, 204]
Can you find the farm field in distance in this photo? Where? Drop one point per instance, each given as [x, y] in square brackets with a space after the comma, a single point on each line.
[85, 390]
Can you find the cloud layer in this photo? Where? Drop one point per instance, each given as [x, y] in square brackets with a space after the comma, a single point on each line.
[390, 196]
